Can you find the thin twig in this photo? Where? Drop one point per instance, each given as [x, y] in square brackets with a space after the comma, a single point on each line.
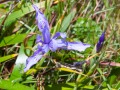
[6, 16]
[3, 1]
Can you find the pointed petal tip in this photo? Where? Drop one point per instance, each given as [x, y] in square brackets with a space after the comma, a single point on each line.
[35, 7]
[78, 46]
[25, 69]
[32, 60]
[86, 45]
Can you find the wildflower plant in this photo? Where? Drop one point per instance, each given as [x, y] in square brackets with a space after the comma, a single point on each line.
[97, 70]
[45, 42]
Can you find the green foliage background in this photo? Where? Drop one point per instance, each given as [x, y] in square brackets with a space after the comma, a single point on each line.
[82, 20]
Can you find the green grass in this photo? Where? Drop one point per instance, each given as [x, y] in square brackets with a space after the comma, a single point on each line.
[82, 20]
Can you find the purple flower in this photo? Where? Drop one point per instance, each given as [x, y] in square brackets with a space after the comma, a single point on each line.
[100, 42]
[46, 43]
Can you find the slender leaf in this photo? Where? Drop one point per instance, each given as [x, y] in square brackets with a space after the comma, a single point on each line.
[13, 39]
[6, 84]
[5, 58]
[69, 70]
[68, 86]
[67, 20]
